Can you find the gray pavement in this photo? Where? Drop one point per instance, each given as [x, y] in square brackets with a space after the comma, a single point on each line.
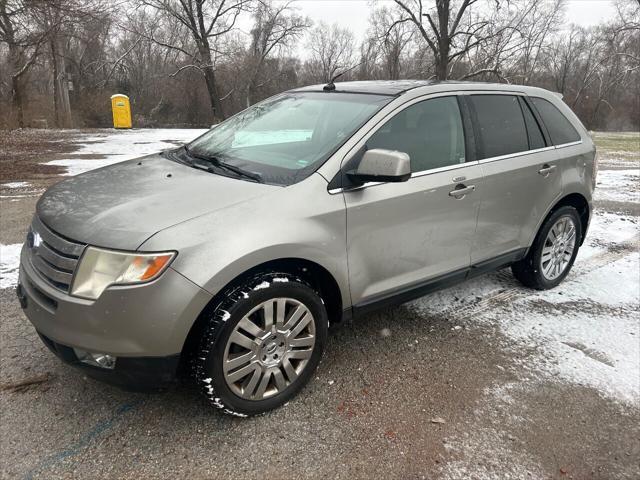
[421, 391]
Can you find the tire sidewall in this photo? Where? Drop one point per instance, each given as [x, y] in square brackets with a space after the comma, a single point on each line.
[541, 239]
[247, 298]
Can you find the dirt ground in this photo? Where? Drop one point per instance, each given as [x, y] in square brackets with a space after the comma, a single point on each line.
[23, 151]
[469, 383]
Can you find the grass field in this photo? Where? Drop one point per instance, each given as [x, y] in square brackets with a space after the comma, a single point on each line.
[618, 145]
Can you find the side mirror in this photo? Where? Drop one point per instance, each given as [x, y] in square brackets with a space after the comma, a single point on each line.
[379, 165]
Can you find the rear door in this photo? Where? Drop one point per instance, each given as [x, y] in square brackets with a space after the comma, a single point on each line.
[520, 170]
[401, 235]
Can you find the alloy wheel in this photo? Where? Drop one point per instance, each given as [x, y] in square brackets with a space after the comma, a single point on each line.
[269, 348]
[558, 248]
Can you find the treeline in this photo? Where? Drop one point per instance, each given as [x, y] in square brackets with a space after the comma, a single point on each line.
[194, 62]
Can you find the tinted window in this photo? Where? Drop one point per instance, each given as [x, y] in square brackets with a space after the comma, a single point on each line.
[560, 129]
[536, 139]
[430, 132]
[500, 125]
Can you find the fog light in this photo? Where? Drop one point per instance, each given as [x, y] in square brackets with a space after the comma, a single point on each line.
[101, 360]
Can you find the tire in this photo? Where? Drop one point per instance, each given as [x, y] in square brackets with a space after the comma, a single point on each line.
[242, 312]
[537, 272]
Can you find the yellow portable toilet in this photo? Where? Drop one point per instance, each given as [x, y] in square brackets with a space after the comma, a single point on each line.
[121, 111]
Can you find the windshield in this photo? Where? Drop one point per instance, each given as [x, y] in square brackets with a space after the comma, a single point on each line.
[286, 138]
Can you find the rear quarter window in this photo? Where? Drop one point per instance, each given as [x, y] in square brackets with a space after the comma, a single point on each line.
[559, 127]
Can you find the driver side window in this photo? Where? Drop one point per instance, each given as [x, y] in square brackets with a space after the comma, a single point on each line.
[430, 132]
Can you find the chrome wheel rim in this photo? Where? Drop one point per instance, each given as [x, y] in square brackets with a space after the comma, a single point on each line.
[269, 348]
[558, 248]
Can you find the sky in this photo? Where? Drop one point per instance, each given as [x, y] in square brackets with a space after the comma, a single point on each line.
[354, 14]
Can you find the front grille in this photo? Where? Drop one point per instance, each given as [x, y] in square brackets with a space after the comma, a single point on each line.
[53, 256]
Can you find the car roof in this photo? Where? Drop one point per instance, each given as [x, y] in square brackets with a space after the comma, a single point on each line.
[399, 87]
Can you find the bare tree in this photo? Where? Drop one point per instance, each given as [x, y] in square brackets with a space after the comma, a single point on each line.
[392, 39]
[206, 21]
[332, 51]
[52, 18]
[274, 28]
[440, 28]
[620, 58]
[561, 56]
[511, 43]
[24, 44]
[159, 52]
[541, 20]
[60, 22]
[369, 56]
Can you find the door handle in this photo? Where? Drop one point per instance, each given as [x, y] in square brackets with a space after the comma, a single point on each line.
[546, 170]
[461, 190]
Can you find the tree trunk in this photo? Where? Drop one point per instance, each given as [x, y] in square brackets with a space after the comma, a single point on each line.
[250, 94]
[253, 82]
[394, 63]
[17, 97]
[17, 94]
[251, 89]
[442, 69]
[17, 100]
[444, 42]
[214, 98]
[210, 79]
[61, 103]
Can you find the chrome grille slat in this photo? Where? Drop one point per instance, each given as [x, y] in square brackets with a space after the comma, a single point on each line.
[57, 242]
[54, 257]
[51, 256]
[50, 272]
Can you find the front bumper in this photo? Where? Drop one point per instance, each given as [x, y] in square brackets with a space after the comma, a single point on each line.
[135, 374]
[147, 320]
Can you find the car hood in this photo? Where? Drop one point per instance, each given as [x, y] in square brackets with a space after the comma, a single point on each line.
[122, 205]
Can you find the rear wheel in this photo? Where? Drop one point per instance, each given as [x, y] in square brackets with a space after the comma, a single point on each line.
[553, 251]
[262, 343]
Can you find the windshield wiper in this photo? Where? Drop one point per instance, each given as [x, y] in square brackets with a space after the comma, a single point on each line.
[216, 162]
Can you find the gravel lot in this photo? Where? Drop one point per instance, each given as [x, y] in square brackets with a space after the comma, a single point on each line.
[485, 380]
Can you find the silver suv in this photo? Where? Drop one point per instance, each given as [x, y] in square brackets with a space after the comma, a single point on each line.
[228, 257]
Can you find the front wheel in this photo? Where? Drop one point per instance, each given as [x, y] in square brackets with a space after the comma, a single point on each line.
[261, 344]
[553, 251]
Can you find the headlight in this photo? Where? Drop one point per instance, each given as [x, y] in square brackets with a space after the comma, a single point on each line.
[100, 268]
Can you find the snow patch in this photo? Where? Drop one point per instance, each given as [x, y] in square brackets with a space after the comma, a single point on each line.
[16, 184]
[235, 414]
[586, 331]
[261, 286]
[281, 279]
[617, 185]
[9, 264]
[225, 316]
[118, 146]
[607, 229]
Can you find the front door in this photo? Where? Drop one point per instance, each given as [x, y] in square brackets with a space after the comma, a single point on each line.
[401, 235]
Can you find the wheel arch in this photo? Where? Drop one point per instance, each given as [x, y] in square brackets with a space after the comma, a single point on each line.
[313, 273]
[580, 203]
